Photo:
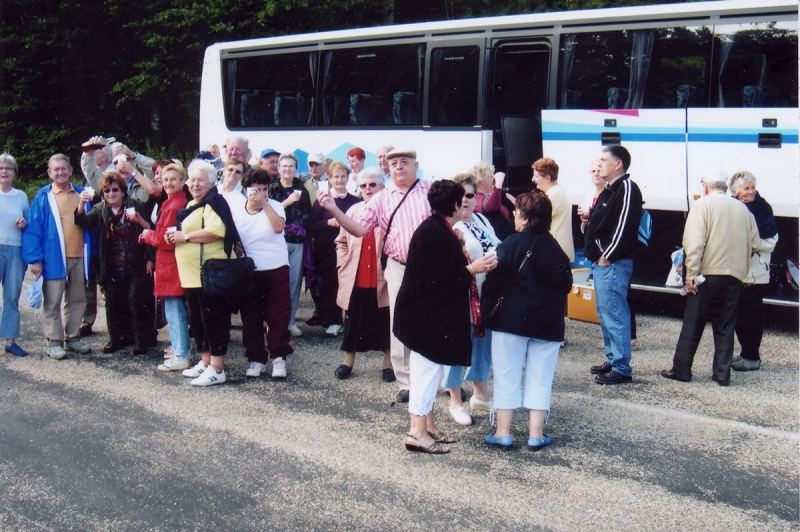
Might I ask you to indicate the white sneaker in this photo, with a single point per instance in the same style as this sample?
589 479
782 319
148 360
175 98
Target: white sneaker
173 364
196 371
255 369
294 330
477 404
209 377
279 368
461 416
56 352
76 346
333 330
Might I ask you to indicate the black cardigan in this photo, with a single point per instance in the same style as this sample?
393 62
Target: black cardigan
534 305
432 312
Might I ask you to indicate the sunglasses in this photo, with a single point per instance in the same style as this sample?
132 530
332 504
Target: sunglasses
362 186
469 195
110 190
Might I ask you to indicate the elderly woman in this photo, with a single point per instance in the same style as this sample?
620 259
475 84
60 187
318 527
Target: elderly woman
293 196
124 265
489 198
13 211
167 282
750 318
479 240
324 229
545 177
356 158
362 288
432 313
533 279
260 223
205 230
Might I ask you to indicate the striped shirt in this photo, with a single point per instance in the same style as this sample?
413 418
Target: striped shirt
414 211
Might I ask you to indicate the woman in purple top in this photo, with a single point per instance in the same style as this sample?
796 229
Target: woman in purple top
324 229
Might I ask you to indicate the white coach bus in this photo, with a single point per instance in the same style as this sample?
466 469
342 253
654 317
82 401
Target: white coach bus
691 89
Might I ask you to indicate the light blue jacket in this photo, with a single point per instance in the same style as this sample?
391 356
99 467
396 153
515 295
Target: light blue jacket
43 239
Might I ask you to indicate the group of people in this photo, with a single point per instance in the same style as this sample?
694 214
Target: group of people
439 276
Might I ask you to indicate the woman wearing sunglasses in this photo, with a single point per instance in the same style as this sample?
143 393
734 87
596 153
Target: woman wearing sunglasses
324 229
125 265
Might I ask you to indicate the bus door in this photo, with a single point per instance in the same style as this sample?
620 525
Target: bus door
518 93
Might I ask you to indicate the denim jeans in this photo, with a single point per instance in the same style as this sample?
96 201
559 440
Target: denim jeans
12 270
611 292
481 363
295 275
178 321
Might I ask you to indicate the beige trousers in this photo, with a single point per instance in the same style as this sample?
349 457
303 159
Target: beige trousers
73 291
400 353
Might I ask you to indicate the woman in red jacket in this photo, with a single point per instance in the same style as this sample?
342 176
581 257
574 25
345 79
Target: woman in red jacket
167 283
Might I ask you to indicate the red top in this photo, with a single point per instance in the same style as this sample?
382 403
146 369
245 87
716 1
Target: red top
367 276
167 282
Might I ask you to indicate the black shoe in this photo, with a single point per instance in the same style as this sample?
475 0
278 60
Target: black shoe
669 374
600 370
612 378
314 320
402 396
387 375
113 346
141 349
342 372
86 330
720 381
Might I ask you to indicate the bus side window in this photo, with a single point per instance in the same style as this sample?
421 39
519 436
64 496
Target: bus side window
453 93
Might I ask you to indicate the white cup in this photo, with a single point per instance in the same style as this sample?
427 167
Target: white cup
130 212
171 230
90 190
324 186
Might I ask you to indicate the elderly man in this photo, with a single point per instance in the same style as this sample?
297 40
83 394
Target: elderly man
611 238
54 246
317 164
383 164
238 147
405 218
718 238
268 160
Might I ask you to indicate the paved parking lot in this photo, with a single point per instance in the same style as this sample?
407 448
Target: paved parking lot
105 442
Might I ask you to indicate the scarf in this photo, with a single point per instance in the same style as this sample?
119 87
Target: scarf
474 298
218 204
762 212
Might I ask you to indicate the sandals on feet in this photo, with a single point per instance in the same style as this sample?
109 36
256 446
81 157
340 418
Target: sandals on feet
422 447
441 437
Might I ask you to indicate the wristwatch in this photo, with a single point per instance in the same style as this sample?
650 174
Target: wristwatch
186 237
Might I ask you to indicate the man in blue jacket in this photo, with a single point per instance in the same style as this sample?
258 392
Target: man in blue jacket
611 237
55 247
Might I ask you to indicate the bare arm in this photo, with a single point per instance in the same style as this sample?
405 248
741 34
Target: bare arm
349 225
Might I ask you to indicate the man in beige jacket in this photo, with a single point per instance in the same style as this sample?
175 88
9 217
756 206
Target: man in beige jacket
718 239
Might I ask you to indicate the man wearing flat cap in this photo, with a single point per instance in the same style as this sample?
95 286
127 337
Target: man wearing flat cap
317 165
414 210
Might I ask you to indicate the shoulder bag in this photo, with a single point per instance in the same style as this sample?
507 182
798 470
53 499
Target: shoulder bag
499 303
384 256
226 277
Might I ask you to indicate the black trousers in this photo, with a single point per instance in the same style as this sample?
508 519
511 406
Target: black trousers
716 301
327 308
750 320
209 322
129 309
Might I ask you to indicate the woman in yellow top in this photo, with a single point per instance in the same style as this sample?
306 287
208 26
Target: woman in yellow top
206 224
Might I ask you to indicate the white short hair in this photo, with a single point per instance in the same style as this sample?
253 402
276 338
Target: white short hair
243 140
371 173
204 166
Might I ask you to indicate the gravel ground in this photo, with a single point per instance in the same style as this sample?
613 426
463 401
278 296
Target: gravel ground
105 442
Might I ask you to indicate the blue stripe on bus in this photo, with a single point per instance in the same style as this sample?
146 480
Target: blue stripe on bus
626 136
744 138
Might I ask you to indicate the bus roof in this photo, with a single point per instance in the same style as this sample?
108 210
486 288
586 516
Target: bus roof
709 12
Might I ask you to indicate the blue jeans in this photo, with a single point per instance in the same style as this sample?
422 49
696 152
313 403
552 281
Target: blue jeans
481 363
611 291
178 321
12 270
295 275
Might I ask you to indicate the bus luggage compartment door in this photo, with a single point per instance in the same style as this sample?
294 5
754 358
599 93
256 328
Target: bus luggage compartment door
655 138
760 140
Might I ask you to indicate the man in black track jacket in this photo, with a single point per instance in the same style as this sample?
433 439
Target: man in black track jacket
611 237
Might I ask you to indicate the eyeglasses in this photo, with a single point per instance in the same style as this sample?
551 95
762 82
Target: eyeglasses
469 195
110 190
362 186
236 172
7 168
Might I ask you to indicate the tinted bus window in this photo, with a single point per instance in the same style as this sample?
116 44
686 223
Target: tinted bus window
453 91
270 91
372 86
755 65
658 68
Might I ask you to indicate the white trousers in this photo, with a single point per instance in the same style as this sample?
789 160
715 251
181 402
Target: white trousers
425 378
400 353
509 353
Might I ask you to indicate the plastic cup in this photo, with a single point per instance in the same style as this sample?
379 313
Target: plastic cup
324 186
130 212
171 230
90 190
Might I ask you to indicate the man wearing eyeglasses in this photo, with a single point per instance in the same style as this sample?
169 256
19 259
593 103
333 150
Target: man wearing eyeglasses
316 169
403 167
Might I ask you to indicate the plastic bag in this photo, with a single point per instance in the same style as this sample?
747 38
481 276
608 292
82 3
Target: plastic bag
33 294
675 277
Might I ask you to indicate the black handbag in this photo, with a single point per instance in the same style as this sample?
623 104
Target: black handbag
222 278
489 321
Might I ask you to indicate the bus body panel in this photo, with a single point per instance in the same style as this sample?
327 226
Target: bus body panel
655 138
724 141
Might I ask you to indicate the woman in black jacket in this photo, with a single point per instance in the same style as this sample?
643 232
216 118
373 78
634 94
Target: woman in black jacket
528 327
432 313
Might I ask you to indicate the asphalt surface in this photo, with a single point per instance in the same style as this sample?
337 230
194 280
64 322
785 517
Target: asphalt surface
106 442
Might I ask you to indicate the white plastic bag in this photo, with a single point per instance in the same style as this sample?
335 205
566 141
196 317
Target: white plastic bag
675 277
33 294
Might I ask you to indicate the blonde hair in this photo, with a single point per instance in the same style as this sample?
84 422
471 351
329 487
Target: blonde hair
482 172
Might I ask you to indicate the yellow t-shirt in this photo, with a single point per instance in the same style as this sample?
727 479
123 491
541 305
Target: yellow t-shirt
188 253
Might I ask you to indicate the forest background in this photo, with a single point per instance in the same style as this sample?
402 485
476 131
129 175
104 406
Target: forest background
131 68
